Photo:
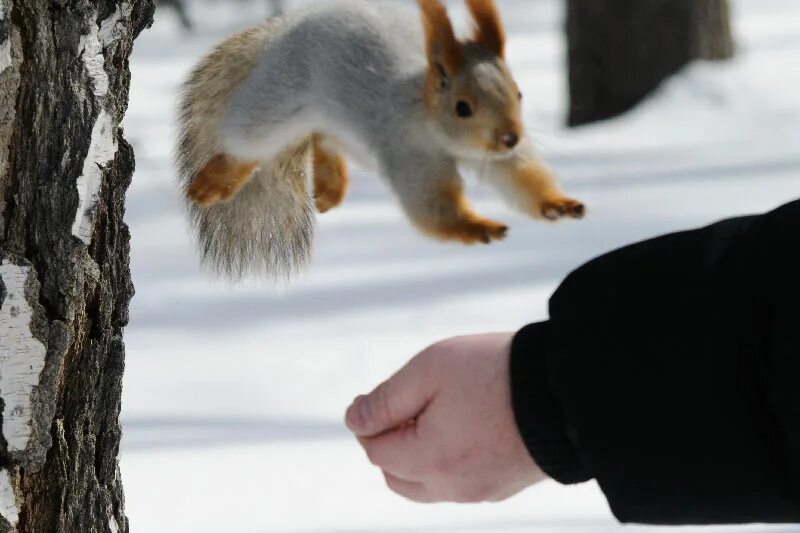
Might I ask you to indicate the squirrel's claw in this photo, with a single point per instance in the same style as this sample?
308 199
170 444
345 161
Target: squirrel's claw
473 231
563 207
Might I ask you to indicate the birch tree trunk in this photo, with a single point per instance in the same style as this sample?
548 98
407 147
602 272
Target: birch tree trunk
64 278
621 50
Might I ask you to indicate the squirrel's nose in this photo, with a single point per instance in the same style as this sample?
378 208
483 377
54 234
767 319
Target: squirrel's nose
510 140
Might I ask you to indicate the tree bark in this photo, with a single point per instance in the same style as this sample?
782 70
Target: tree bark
621 50
64 277
713 38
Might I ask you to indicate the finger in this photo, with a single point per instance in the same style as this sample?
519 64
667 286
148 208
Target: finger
395 401
410 490
397 452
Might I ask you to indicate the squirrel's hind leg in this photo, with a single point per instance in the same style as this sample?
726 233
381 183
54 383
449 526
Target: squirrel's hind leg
330 175
220 179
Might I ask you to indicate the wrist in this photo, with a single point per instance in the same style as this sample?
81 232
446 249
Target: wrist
537 412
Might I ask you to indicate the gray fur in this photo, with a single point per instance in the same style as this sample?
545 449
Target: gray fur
267 228
353 71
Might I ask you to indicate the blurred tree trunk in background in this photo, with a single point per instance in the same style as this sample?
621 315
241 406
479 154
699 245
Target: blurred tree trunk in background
621 50
277 7
713 34
180 10
64 277
274 8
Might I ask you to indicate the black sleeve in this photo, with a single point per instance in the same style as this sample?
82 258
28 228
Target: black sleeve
669 371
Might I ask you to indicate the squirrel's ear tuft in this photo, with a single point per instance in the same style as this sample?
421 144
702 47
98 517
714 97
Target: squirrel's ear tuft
489 32
442 47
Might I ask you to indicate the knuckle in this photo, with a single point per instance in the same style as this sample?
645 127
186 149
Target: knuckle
381 405
433 359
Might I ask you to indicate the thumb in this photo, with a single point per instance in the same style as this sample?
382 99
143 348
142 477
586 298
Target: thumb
393 403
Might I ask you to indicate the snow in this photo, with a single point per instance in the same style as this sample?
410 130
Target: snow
234 396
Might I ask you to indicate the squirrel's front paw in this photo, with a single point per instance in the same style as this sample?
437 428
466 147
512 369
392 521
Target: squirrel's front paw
560 207
475 230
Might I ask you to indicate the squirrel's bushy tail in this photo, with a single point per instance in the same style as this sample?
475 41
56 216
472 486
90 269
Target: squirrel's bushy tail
267 228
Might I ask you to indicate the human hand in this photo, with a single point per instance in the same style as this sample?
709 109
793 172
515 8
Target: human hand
442 428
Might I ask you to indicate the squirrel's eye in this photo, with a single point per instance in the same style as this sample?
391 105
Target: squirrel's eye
519 95
463 109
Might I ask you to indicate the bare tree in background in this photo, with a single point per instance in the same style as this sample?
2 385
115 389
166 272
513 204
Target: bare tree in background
713 34
64 277
621 50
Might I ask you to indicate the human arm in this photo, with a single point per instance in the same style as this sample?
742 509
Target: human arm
668 371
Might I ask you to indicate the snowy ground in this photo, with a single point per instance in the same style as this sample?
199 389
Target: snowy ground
234 396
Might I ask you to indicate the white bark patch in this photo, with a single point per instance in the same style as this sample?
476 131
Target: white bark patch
21 357
113 526
5 46
103 145
91 47
101 153
8 501
110 28
5 55
91 51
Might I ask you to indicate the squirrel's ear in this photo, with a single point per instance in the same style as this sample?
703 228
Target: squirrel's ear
441 45
489 32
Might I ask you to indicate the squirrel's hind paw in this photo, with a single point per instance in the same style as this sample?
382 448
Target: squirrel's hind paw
207 194
219 180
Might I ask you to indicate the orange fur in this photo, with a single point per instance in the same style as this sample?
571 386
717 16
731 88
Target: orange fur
219 180
489 31
431 89
543 199
458 222
440 39
330 177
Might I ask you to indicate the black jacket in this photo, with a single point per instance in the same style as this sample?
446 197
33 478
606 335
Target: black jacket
670 372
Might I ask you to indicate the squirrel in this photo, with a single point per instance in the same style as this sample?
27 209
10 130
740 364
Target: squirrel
369 78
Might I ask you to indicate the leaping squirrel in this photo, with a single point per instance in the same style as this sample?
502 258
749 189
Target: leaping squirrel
370 78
